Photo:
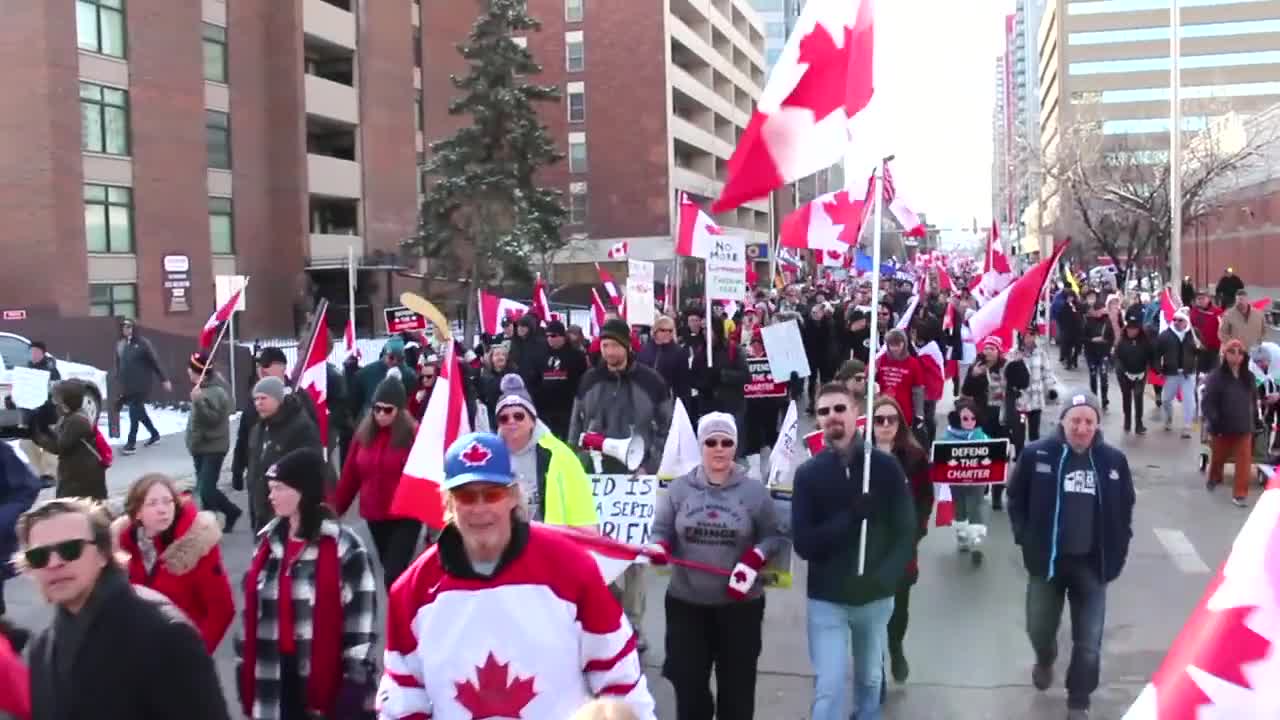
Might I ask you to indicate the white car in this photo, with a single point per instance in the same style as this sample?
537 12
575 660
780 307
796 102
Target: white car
15 351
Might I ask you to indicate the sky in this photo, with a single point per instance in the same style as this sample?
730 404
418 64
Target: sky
934 94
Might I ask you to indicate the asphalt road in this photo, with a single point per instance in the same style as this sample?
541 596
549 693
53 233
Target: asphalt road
969 656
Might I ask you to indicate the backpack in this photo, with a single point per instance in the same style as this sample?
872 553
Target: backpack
100 448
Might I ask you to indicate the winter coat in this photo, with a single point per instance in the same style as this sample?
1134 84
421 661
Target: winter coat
271 439
50 365
633 401
372 470
18 490
1207 322
138 657
15 684
671 362
1250 329
729 378
1174 356
489 390
1041 382
209 423
987 390
818 345
1099 335
137 367
561 375
1035 504
528 354
1134 356
72 439
187 568
1229 402
249 420
1070 322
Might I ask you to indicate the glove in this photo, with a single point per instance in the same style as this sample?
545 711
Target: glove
351 702
861 505
744 574
659 553
237 481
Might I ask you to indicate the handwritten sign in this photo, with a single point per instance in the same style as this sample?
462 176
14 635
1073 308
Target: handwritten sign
971 462
785 348
640 292
30 387
726 269
625 505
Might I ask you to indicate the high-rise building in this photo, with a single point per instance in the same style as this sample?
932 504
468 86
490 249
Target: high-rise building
1024 132
999 143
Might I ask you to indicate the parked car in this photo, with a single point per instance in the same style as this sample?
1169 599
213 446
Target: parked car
15 351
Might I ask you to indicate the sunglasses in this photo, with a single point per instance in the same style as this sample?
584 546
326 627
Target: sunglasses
474 496
722 442
384 409
515 417
68 550
839 409
886 420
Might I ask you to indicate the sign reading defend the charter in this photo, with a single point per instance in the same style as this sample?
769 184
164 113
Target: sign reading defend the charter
969 462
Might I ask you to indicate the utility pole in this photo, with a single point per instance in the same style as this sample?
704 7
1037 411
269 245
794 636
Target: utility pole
1175 146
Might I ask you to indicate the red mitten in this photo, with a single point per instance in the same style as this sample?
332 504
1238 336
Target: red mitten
659 553
591 441
744 574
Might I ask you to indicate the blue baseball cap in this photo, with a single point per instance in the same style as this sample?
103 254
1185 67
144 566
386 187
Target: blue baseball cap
477 457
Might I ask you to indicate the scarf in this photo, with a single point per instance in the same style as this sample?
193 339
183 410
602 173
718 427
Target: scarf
148 551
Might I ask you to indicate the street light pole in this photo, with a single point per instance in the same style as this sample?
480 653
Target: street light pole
1175 146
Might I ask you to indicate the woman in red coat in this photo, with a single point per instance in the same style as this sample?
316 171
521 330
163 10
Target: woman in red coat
379 451
173 549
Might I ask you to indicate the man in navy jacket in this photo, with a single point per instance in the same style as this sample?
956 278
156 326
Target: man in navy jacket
1071 504
18 490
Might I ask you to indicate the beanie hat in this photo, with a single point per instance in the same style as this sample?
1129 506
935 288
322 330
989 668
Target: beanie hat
993 341
555 327
514 393
394 346
269 356
618 331
303 470
391 392
273 387
1081 397
717 423
199 361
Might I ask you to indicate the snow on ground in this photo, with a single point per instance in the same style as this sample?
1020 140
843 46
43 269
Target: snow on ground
168 421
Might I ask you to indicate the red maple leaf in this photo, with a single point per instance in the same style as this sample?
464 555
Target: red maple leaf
713 229
824 85
1217 642
835 254
847 212
739 577
476 454
495 694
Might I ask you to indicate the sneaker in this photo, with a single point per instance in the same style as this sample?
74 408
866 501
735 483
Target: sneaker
128 450
1077 714
1042 676
1186 435
1240 502
1168 426
898 666
151 441
976 557
231 520
1210 485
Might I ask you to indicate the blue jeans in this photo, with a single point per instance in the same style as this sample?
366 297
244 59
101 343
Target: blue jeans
1076 580
838 635
208 469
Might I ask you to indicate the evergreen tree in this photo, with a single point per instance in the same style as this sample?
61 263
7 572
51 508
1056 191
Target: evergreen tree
484 214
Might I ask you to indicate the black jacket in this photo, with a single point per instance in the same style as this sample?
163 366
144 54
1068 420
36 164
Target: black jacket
1230 403
137 367
1134 356
561 374
1176 357
272 438
1099 336
48 364
138 658
249 418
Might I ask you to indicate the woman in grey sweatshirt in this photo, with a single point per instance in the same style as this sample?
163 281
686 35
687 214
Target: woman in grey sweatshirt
715 515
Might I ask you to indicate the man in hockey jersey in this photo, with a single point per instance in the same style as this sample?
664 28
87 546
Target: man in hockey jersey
455 648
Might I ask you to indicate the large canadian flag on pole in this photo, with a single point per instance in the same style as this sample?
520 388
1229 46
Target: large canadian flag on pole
1225 662
697 230
541 307
314 380
610 286
996 273
419 494
801 123
219 316
493 308
1013 309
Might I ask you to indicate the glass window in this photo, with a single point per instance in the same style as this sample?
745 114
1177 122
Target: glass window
1204 30
1188 62
577 203
119 300
100 26
108 219
1110 6
104 119
577 105
775 29
215 53
577 153
573 10
1150 125
575 58
221 228
217 127
1196 92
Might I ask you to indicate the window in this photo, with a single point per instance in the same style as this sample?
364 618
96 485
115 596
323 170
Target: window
573 10
114 301
108 219
1188 62
1195 92
417 113
577 102
1151 125
1203 30
217 127
577 152
104 119
1110 6
577 203
574 54
215 53
221 230
100 26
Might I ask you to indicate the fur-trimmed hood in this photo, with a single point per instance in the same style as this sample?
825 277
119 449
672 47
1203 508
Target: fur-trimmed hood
196 533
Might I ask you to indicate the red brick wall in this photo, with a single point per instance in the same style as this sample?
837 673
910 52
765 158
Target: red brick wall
170 192
41 209
1243 234
268 136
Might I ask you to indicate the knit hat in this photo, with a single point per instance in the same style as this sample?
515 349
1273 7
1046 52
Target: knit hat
1078 397
391 392
271 386
394 346
717 423
269 356
618 331
303 470
993 341
199 361
513 393
555 327
1183 313
1260 354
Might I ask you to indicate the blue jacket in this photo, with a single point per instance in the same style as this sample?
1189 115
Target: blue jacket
18 489
1035 504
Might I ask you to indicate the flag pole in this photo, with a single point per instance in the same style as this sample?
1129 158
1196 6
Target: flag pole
351 293
213 351
871 356
231 356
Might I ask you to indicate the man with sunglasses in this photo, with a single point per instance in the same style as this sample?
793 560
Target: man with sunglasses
848 612
562 372
107 633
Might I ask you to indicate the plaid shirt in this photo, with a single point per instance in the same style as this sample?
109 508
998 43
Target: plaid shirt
359 609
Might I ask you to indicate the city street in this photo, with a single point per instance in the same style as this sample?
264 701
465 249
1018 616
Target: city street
969 656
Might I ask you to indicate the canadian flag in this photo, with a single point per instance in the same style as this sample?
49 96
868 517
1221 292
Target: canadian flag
349 348
618 251
1224 663
314 379
494 308
210 330
906 217
610 286
932 369
541 307
697 230
996 273
944 280
801 123
1167 310
945 514
611 556
597 313
418 495
1013 309
833 220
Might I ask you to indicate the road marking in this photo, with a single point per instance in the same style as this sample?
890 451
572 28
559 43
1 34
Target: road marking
1181 551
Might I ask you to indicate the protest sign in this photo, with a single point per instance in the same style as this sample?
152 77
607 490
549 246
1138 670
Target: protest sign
726 269
762 383
30 387
969 462
785 348
640 292
625 505
782 461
